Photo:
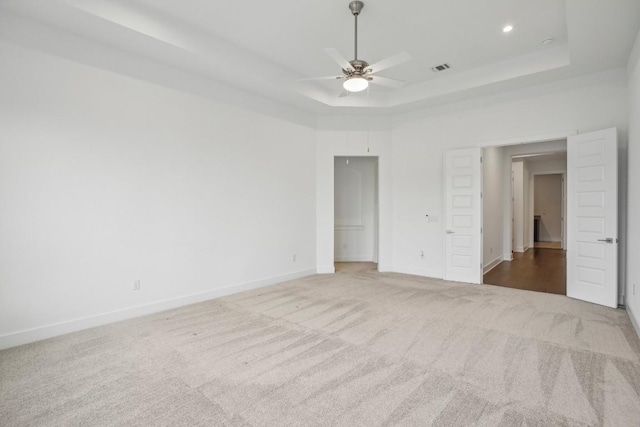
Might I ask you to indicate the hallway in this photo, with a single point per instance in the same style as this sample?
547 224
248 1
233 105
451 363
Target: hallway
541 270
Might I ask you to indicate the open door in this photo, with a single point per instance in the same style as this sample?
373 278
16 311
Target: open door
592 227
463 215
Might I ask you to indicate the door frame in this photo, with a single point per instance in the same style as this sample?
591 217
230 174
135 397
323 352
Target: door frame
546 137
376 207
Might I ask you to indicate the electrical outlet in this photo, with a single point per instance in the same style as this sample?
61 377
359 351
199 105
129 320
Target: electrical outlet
293 258
136 285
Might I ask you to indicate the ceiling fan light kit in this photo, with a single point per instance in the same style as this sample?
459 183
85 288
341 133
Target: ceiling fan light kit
356 84
358 73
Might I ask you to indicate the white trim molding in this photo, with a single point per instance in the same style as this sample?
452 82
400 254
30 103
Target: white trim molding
493 264
545 137
423 272
326 269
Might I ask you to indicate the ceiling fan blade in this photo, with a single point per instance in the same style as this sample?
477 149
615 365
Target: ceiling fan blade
337 56
320 78
384 81
391 61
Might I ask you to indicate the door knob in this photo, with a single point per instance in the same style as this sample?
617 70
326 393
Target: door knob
607 240
450 231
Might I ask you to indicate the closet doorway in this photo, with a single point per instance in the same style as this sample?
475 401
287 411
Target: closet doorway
355 213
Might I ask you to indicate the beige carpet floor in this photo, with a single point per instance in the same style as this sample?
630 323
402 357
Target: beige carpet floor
353 349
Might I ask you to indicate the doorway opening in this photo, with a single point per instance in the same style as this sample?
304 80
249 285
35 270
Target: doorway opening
355 213
479 226
524 216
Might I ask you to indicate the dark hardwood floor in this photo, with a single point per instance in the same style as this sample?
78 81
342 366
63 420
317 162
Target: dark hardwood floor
542 270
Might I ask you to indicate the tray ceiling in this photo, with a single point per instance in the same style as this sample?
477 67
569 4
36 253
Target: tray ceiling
264 47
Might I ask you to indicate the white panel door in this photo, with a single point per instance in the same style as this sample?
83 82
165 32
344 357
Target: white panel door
592 226
463 215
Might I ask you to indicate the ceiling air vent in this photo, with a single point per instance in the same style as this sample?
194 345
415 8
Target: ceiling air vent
439 68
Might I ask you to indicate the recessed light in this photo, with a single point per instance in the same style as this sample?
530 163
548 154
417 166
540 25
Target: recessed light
548 41
507 29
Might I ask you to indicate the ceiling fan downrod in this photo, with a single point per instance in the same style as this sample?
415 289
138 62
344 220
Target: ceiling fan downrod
356 7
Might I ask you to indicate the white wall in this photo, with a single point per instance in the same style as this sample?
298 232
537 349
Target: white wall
105 179
492 193
527 218
355 188
521 204
633 182
420 139
548 205
517 174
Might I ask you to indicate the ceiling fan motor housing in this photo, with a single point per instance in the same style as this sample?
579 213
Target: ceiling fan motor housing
360 68
356 7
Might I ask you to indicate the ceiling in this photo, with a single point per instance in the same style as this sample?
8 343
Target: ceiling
265 47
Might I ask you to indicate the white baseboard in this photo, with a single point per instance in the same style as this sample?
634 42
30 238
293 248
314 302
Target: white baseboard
48 331
634 320
519 249
424 272
487 268
507 256
354 258
328 269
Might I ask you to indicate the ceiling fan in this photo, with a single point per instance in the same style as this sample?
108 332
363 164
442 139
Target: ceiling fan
358 73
